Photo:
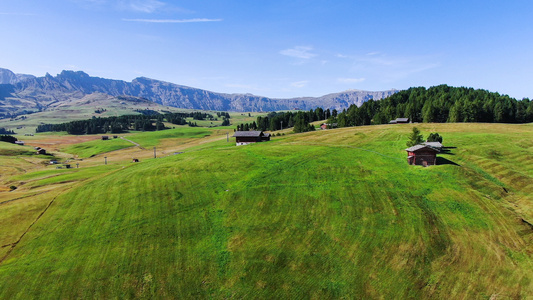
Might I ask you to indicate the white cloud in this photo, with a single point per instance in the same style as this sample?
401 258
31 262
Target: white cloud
302 52
391 68
145 6
300 84
139 6
350 80
172 20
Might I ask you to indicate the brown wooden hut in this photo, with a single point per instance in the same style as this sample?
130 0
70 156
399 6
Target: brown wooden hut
248 137
422 155
399 121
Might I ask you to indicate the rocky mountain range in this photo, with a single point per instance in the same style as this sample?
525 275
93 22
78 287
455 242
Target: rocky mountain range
26 92
8 77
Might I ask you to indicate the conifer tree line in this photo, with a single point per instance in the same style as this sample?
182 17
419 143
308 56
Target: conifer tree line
124 123
298 120
6 131
440 104
8 138
436 104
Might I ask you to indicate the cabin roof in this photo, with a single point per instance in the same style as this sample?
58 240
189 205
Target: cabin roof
248 134
437 145
399 120
419 147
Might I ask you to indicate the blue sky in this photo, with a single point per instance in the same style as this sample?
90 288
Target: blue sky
277 48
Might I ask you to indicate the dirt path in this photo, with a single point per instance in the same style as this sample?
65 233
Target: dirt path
14 244
136 144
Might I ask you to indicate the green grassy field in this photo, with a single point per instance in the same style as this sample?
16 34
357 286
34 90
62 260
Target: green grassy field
326 214
144 139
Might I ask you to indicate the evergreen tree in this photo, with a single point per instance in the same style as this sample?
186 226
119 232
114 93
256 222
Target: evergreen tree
415 138
434 137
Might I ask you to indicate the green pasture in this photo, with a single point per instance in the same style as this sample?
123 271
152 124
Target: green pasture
153 138
144 139
320 215
9 149
92 148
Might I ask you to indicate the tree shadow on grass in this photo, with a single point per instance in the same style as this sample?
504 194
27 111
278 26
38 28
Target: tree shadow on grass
444 161
447 150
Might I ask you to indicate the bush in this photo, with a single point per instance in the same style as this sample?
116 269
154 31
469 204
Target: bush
434 137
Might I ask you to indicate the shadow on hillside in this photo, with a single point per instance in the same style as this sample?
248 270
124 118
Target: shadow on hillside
444 161
447 150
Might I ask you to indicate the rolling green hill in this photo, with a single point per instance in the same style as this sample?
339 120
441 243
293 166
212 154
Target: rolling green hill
327 214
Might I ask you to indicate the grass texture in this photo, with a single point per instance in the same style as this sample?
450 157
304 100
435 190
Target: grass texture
320 215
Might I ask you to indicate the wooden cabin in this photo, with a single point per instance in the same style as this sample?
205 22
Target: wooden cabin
399 121
105 137
248 137
422 155
41 151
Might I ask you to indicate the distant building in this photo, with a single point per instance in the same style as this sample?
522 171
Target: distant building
41 151
326 125
248 137
19 143
422 155
399 121
105 138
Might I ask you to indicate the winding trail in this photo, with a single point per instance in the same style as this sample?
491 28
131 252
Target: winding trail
136 144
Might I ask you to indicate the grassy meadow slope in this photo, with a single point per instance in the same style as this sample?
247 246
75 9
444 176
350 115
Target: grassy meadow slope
107 106
325 214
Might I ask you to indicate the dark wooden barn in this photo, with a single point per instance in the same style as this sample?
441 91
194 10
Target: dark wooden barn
399 121
422 155
248 137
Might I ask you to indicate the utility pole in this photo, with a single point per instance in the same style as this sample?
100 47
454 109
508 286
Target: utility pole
227 137
154 153
105 160
77 165
281 125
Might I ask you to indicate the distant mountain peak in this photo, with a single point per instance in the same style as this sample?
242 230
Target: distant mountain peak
69 73
8 77
69 85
